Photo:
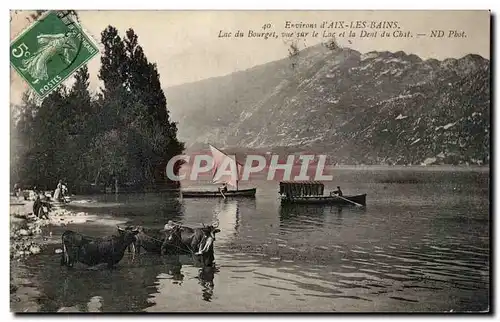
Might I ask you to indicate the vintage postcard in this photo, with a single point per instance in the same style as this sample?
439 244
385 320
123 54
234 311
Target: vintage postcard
250 161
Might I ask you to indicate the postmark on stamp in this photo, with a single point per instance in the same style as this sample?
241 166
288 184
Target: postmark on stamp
50 51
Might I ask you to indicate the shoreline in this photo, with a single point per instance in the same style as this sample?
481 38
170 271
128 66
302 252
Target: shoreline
28 239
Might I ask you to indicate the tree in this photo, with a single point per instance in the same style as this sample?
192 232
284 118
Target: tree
123 132
21 138
82 128
55 135
41 128
114 61
133 90
153 131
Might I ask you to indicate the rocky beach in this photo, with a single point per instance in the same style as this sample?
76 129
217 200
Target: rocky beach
29 236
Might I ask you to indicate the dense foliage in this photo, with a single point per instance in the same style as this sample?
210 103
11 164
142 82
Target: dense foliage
124 132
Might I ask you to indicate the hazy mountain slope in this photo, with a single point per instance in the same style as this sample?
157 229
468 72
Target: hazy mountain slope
379 107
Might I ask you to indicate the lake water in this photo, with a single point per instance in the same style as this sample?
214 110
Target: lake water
422 244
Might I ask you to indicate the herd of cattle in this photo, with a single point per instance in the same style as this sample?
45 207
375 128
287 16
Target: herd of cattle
172 239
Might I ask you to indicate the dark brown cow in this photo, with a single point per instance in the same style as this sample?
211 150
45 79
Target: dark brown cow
93 251
195 241
151 240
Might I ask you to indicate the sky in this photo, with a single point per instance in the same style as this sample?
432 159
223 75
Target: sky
186 47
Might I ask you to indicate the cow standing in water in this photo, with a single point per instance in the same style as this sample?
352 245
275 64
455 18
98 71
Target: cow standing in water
151 240
195 241
93 251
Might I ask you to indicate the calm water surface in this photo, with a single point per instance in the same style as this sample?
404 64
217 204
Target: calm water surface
419 246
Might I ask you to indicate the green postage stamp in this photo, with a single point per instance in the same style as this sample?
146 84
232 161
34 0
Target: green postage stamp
50 50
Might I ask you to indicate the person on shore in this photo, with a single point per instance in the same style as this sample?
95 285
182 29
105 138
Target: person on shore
38 207
64 192
17 190
58 192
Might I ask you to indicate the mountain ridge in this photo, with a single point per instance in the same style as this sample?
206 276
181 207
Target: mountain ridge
358 108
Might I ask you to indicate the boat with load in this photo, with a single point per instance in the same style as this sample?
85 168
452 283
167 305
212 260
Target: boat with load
312 192
221 161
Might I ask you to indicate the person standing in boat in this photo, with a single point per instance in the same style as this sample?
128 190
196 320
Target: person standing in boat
338 192
223 189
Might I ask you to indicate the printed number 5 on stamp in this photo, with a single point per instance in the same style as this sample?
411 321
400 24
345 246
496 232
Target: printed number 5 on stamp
49 51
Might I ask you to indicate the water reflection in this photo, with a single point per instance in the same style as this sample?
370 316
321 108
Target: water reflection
405 253
299 217
206 280
339 215
227 212
173 267
151 210
182 271
125 288
292 216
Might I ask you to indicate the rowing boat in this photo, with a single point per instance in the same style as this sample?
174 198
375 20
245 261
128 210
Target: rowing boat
325 200
246 193
311 192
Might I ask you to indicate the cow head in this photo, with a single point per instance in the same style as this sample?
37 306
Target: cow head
173 234
140 229
128 234
133 229
212 229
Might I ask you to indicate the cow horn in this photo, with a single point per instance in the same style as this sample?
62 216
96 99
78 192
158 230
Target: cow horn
215 224
119 228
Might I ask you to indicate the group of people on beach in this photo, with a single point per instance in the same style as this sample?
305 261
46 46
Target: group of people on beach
59 195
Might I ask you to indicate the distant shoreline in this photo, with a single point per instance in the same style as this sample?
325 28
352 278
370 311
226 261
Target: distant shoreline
442 167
